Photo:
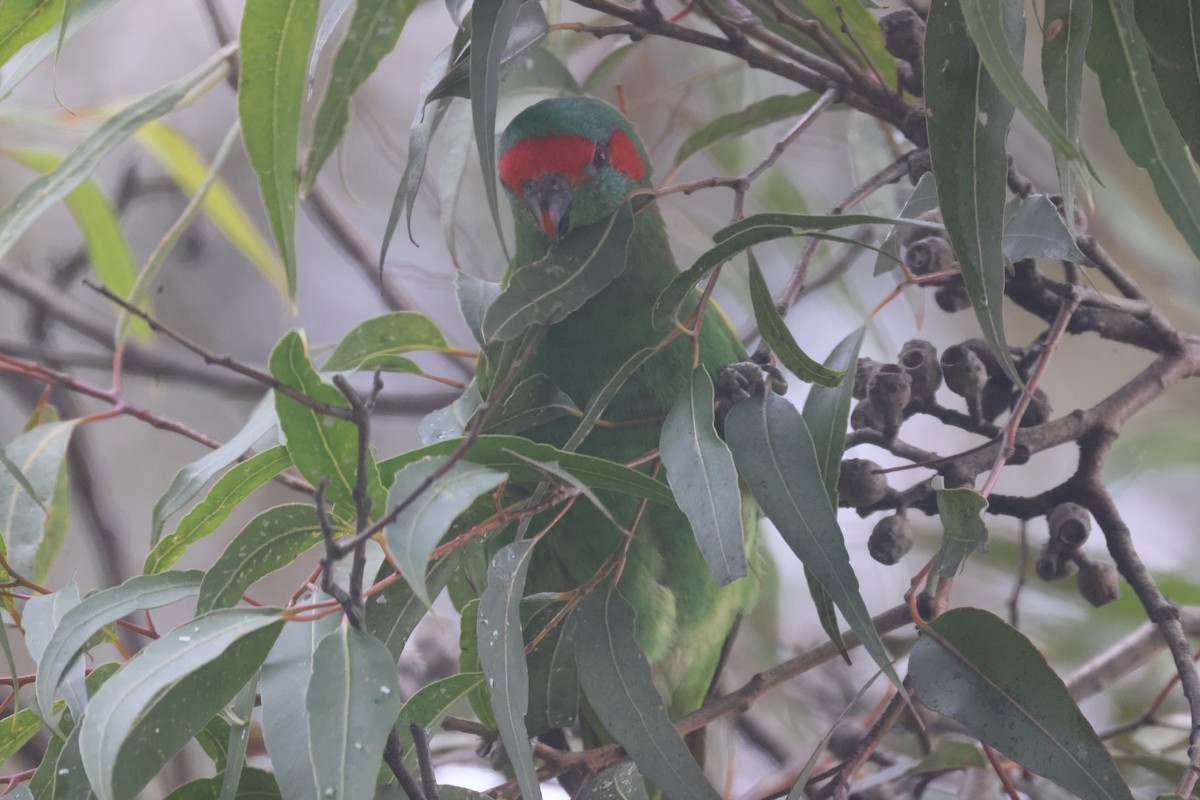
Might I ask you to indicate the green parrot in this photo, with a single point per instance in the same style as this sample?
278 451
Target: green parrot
566 164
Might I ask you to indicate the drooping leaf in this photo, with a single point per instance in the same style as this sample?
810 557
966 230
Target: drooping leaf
528 29
605 394
475 295
534 401
394 611
352 701
1033 228
374 31
776 457
430 704
963 530
1172 32
81 162
502 656
988 22
702 476
775 332
94 612
321 447
739 123
22 21
553 677
827 410
491 23
188 481
616 679
84 12
38 454
575 270
923 198
207 515
166 693
239 739
500 453
1062 75
1134 104
269 542
285 720
981 672
329 21
41 617
968 128
189 169
378 342
421 525
274 40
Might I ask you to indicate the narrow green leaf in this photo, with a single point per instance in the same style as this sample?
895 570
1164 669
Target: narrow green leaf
1033 228
394 611
491 23
166 693
430 704
190 171
374 31
285 720
988 22
421 525
333 15
858 31
475 295
103 237
775 333
500 453
963 530
534 401
22 21
797 792
275 39
616 680
978 670
528 29
553 677
65 776
479 697
502 656
17 729
621 781
207 515
575 270
777 459
239 738
188 481
827 411
371 344
352 701
38 454
85 11
1068 24
321 447
923 198
1134 103
1172 32
41 617
968 127
269 542
94 612
605 394
81 162
739 123
702 476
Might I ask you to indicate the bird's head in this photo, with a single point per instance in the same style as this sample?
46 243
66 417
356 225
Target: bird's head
569 162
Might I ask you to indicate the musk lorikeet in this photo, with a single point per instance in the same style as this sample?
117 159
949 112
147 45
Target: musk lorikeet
568 164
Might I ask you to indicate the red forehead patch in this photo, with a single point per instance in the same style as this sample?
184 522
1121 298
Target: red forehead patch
561 154
624 156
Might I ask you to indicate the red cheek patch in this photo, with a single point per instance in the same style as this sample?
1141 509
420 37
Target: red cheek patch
624 156
561 154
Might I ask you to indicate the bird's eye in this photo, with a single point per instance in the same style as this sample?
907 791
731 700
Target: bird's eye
600 157
528 186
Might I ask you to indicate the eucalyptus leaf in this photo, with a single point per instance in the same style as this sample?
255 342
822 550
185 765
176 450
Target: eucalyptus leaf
963 529
1062 75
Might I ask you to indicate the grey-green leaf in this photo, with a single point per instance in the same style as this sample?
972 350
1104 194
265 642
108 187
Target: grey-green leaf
421 525
352 700
775 332
534 401
275 39
616 680
575 270
924 198
1062 75
394 611
1172 32
38 455
502 656
775 456
701 474
528 29
1134 103
976 669
968 128
744 120
621 781
371 343
42 615
93 613
475 296
1033 228
164 695
963 529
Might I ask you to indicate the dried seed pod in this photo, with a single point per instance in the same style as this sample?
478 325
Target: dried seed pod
1053 564
963 370
919 359
863 370
1069 524
929 255
889 391
863 417
891 539
1098 583
903 34
952 298
860 483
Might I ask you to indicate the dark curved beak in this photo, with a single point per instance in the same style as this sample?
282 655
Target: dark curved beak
549 196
